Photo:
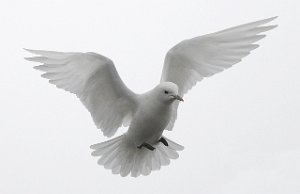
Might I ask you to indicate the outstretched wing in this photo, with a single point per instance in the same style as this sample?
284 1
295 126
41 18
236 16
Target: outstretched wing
191 60
95 81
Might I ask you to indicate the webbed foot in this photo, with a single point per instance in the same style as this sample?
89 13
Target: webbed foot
164 141
146 145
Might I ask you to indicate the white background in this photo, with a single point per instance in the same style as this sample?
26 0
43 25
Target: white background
240 128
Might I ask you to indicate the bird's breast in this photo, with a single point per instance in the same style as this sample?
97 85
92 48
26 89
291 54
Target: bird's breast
148 124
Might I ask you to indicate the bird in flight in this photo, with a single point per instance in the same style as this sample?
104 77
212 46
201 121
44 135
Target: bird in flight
93 78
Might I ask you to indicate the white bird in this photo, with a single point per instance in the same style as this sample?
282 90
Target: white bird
96 82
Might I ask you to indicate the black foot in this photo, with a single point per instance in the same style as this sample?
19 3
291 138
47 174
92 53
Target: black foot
146 145
164 141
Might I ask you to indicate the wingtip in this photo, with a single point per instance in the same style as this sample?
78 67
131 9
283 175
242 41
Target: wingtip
273 18
28 50
93 147
270 19
263 21
34 59
273 26
28 58
32 51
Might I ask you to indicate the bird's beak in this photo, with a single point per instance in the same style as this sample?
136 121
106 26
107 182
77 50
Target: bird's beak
177 97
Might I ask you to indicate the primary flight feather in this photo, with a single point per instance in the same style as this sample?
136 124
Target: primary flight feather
94 79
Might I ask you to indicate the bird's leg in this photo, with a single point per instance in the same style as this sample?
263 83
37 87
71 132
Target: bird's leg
146 145
164 141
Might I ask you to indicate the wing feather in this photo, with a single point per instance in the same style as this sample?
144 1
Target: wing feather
94 79
191 60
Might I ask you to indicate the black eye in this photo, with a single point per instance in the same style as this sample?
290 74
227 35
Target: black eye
166 92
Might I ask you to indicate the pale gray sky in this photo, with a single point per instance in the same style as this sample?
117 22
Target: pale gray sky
240 128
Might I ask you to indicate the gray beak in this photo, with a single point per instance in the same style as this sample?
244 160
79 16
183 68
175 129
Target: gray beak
177 97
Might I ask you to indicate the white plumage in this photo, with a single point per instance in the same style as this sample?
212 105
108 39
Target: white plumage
96 82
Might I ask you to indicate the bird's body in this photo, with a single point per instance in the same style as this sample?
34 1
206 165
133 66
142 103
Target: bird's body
94 79
150 119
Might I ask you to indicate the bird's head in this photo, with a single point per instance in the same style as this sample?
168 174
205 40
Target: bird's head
167 92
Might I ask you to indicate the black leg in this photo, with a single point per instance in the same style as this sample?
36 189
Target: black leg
164 141
146 145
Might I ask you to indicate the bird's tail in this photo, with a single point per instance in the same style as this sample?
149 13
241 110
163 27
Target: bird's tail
122 156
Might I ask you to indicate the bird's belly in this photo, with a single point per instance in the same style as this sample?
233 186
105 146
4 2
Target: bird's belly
148 129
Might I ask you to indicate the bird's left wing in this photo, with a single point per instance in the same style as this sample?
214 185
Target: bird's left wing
95 81
191 60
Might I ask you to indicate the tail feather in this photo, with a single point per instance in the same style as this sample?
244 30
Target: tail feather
124 158
104 144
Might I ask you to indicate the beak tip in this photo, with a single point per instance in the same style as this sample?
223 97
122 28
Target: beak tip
180 98
177 97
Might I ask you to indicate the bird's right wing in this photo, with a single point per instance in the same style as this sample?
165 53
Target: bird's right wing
95 81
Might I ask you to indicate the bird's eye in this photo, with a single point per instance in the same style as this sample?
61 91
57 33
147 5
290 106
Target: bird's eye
166 92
